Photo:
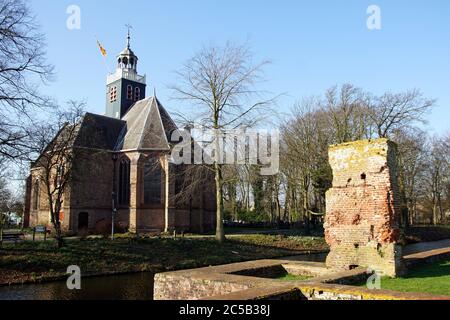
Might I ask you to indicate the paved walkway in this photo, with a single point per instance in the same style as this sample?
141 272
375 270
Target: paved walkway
425 246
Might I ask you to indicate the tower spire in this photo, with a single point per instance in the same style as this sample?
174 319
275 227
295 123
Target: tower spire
129 27
125 86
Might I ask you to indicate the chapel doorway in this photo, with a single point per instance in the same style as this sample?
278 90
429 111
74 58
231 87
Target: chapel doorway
83 221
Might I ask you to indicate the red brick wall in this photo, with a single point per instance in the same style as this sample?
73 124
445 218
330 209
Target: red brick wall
363 207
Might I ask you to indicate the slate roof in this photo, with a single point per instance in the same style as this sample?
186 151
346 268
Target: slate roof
99 132
148 127
145 127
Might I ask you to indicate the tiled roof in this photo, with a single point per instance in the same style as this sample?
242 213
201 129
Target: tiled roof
148 127
145 127
98 132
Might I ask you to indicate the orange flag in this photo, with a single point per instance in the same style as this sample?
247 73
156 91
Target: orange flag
102 50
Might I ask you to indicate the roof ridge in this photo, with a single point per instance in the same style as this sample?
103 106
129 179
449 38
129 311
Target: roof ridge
155 101
132 106
168 115
102 116
143 127
121 139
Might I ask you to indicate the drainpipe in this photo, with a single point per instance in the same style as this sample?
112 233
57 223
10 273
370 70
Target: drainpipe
166 196
114 195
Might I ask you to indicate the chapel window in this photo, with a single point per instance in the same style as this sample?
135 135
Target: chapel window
124 182
36 195
152 181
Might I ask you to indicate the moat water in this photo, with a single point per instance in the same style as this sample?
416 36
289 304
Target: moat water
136 286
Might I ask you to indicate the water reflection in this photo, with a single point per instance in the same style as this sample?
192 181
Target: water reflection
124 287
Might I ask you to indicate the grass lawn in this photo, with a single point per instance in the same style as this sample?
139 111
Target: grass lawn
28 261
291 277
433 278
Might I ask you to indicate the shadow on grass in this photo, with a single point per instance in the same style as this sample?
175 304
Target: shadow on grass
439 269
132 255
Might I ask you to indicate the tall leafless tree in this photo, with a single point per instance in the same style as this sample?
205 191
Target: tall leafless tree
22 69
412 163
348 113
5 196
220 82
52 141
438 176
347 109
392 111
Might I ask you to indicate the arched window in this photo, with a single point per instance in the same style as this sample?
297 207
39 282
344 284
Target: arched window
129 92
35 195
124 182
152 181
137 94
112 94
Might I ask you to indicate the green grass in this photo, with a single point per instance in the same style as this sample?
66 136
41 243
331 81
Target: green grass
433 278
296 243
291 277
30 261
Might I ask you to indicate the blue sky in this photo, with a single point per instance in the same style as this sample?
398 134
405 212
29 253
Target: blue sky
312 45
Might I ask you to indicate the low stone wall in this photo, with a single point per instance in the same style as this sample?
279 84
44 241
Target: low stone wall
168 287
240 281
270 272
323 292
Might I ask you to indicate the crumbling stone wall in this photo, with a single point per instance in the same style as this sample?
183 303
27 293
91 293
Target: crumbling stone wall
363 207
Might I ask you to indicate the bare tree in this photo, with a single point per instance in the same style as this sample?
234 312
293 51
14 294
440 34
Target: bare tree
306 143
53 141
348 113
221 82
393 111
5 196
438 173
412 163
22 69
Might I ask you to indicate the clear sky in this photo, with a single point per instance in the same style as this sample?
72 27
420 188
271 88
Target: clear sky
312 45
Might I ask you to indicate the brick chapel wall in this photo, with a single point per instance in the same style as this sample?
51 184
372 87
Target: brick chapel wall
197 215
183 220
363 207
91 187
151 219
41 214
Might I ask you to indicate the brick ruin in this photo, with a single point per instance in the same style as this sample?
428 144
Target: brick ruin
363 207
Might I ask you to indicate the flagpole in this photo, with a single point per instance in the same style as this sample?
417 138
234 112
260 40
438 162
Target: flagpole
105 57
105 62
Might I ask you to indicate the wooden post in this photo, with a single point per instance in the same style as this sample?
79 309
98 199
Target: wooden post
34 233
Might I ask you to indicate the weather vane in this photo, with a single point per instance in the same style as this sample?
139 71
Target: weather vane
129 27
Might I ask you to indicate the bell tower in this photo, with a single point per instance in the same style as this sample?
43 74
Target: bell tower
124 87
